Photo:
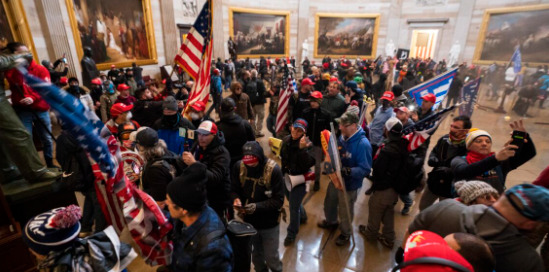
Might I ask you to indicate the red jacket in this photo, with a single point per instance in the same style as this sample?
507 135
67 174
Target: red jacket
15 80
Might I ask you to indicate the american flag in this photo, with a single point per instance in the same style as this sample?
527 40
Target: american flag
284 98
122 203
422 130
195 55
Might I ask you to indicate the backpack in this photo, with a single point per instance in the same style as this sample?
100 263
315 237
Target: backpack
410 175
264 180
171 162
77 171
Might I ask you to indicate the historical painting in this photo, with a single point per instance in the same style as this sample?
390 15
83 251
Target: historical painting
260 33
6 35
14 26
350 35
118 32
505 30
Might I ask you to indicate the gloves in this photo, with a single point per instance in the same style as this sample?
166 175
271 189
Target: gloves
346 171
250 208
399 255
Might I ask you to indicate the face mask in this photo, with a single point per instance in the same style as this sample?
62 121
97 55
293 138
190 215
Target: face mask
195 116
129 116
250 160
170 120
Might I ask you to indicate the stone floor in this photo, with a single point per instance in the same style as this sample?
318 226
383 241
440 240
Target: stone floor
315 249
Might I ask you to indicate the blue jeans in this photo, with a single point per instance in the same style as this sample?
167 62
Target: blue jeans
406 199
265 254
28 118
334 205
271 124
228 81
297 211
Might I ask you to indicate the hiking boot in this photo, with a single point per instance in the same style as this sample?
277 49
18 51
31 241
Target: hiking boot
325 225
288 241
362 230
386 243
342 240
407 209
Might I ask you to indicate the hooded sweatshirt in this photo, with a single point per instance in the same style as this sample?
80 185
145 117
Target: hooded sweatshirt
355 153
237 132
268 200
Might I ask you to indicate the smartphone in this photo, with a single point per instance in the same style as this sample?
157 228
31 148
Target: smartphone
518 138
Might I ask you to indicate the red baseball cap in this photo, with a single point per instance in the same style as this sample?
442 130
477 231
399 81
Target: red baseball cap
325 65
207 127
332 79
120 108
113 66
428 244
403 109
198 106
389 96
344 64
429 97
63 80
96 81
307 81
316 94
122 87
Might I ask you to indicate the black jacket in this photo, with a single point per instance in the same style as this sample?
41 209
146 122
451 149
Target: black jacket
237 132
389 162
164 122
318 120
255 89
157 174
216 158
295 161
440 178
299 103
268 200
146 112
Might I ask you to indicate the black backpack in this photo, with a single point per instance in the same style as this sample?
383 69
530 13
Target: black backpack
410 174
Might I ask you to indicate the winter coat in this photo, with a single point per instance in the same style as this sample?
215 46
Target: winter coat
237 132
195 249
146 112
126 100
440 178
318 120
390 160
355 153
107 100
268 200
255 89
335 105
295 161
299 102
157 174
378 124
19 90
243 106
216 157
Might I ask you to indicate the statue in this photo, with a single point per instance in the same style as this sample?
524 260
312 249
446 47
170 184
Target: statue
304 50
390 49
89 69
454 54
232 48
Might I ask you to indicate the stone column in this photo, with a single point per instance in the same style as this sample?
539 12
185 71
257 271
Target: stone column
170 30
217 29
463 22
303 18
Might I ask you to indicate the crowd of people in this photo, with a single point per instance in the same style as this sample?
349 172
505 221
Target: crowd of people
205 171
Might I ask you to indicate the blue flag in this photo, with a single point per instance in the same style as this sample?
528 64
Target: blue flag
469 94
517 59
438 86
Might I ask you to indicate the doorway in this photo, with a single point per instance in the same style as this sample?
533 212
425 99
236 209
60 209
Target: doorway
423 43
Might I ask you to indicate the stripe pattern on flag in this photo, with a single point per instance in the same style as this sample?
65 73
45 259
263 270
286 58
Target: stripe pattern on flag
422 130
284 98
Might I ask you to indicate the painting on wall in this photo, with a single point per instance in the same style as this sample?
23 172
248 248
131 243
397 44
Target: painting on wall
14 26
260 32
504 30
350 35
118 32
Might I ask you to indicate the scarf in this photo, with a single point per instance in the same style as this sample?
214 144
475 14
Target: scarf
473 156
456 141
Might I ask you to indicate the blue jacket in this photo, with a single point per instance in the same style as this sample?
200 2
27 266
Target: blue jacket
216 85
356 153
193 250
376 126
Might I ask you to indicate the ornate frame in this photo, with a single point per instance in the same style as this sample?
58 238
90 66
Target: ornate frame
484 26
147 13
19 25
351 15
268 12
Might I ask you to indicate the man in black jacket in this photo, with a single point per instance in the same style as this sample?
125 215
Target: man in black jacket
300 101
255 89
237 131
215 156
257 193
318 119
449 146
146 111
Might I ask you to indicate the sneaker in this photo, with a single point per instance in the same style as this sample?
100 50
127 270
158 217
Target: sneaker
342 240
407 209
325 225
288 241
386 243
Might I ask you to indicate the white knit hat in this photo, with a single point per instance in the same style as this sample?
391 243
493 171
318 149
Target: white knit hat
353 109
473 134
470 190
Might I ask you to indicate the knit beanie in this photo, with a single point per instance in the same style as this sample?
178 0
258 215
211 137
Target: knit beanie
54 230
170 104
468 191
188 191
473 134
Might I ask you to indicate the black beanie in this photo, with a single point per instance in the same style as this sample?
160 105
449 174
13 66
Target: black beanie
188 191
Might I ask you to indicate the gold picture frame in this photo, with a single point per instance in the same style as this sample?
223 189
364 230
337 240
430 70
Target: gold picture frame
505 35
265 47
333 47
150 53
18 24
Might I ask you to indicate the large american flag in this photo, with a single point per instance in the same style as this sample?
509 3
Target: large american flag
283 101
422 130
122 203
195 55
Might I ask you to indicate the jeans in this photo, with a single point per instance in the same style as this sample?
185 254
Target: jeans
406 199
317 153
381 210
271 124
297 211
265 254
28 118
92 213
228 81
334 205
428 198
257 119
